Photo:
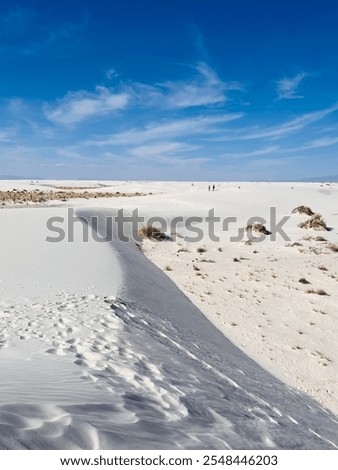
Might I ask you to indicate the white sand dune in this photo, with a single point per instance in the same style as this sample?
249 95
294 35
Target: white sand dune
100 349
258 301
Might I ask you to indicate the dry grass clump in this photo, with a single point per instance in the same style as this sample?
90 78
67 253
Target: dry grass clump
316 222
71 188
316 291
303 210
183 250
201 250
257 227
322 268
302 280
321 239
168 268
149 231
37 196
333 247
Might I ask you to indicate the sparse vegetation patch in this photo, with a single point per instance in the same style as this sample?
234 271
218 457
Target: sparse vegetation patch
302 210
152 232
316 222
257 227
333 247
317 291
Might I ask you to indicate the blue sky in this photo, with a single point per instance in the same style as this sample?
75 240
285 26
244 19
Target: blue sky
183 90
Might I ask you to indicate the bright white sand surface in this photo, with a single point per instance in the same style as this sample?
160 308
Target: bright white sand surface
101 350
259 302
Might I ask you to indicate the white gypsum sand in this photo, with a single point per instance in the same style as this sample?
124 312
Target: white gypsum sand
255 294
101 350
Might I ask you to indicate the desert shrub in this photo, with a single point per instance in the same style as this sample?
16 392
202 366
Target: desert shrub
183 250
302 210
257 227
302 280
316 291
322 268
201 250
333 247
316 222
149 231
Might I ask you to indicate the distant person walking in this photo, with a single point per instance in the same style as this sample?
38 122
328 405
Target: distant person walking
209 187
213 187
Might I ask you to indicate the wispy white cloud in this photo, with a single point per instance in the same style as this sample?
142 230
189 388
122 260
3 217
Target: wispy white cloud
172 129
287 87
179 161
253 153
275 132
278 150
203 88
199 42
273 150
162 153
16 105
72 154
162 148
314 144
42 131
111 73
78 106
7 135
323 142
21 154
